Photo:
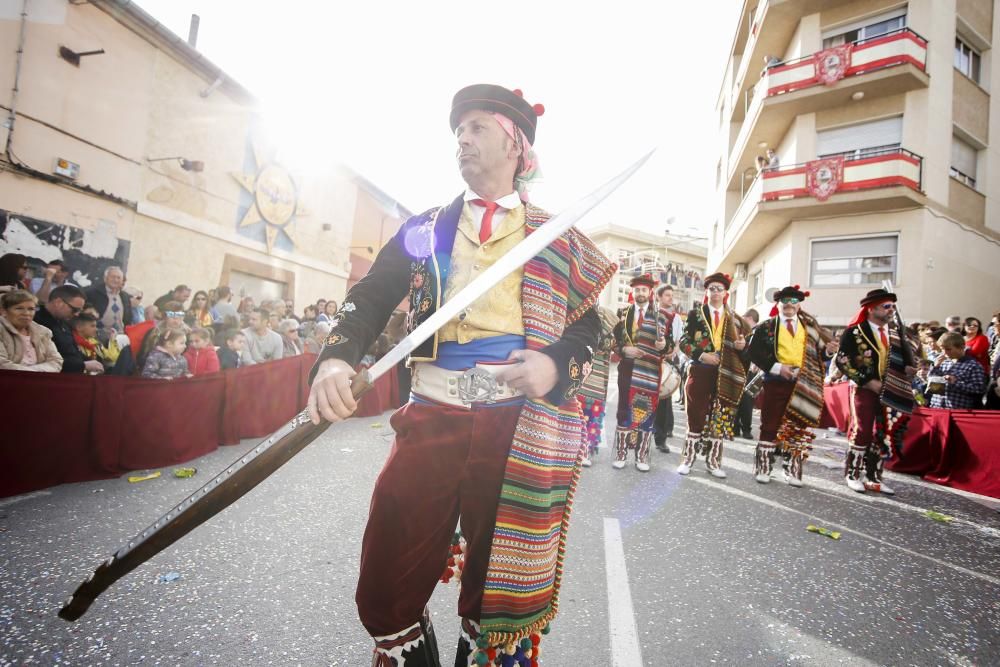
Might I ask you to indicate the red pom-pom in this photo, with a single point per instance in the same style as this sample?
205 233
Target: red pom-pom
728 277
539 109
536 639
491 653
518 92
774 310
796 286
807 293
456 548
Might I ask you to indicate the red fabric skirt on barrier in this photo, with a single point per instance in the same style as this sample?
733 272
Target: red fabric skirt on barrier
77 428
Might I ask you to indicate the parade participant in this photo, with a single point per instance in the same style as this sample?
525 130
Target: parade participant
863 358
713 338
789 348
503 468
663 421
594 390
640 340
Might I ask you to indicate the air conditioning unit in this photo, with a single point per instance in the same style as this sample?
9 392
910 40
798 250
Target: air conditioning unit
741 271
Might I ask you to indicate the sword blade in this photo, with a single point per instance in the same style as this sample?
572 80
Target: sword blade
517 256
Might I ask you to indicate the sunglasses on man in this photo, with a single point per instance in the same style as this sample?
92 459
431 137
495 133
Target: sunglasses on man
791 300
174 313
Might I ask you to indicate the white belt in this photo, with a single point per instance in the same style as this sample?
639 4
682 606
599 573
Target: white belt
461 388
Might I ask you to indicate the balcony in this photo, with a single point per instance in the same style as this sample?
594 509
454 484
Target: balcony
878 67
882 180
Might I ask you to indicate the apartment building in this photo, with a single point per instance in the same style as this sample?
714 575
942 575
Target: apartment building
672 259
880 120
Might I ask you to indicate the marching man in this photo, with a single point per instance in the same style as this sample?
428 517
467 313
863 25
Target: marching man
790 349
865 347
641 340
594 390
713 338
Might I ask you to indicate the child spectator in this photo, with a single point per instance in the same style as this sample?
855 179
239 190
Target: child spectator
200 355
85 336
230 353
167 361
965 379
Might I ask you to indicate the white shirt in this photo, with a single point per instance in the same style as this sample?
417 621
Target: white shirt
507 202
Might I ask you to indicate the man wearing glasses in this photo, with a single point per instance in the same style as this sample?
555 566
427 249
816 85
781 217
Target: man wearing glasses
65 302
789 349
863 358
713 339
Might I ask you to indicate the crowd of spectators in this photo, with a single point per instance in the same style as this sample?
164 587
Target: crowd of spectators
48 324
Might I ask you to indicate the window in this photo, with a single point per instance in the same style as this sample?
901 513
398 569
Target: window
963 162
967 60
853 262
873 26
876 137
758 288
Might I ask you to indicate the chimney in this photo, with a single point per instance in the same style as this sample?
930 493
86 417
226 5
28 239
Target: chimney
193 31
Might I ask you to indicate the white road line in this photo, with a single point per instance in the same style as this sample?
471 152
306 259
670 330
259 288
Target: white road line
844 529
824 485
621 617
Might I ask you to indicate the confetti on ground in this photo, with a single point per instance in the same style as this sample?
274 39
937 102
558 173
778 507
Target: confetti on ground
346 449
375 425
832 534
185 472
143 478
169 576
937 516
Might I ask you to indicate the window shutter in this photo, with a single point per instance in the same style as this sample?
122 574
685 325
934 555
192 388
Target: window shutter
883 132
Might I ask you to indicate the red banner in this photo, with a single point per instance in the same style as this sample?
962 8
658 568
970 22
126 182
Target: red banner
824 176
832 64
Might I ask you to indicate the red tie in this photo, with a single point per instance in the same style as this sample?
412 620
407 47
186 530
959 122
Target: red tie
885 341
791 329
716 319
642 316
486 229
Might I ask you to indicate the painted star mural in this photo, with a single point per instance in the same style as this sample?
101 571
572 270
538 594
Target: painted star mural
275 199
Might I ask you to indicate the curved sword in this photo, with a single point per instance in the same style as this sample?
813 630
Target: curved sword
270 454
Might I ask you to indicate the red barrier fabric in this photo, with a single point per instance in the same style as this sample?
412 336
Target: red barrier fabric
837 406
261 398
75 428
970 452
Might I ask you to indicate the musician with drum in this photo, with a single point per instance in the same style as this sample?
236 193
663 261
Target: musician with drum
790 348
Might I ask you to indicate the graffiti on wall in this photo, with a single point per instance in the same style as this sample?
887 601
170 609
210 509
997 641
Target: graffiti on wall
87 253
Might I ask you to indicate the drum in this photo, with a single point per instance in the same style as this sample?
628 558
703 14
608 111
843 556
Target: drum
754 385
670 379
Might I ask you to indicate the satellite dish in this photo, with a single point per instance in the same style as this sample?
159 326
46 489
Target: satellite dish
769 294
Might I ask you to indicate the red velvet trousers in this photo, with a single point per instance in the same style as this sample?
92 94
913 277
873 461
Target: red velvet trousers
699 392
775 402
446 466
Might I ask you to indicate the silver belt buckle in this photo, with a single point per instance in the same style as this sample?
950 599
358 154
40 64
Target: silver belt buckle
478 386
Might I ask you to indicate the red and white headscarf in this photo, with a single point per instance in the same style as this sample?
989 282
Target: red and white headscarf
528 168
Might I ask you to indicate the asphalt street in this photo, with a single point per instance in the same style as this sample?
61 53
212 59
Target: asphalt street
705 572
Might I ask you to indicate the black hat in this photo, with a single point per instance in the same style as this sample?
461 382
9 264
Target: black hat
645 279
792 292
722 278
498 99
878 296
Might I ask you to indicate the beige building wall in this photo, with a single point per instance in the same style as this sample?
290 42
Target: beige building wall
149 96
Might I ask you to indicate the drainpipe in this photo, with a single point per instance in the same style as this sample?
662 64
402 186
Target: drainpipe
17 81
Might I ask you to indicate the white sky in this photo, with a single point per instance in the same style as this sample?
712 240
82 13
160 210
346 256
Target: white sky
369 83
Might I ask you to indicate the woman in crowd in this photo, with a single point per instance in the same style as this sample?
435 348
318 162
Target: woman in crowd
24 345
977 343
166 361
329 310
246 307
314 342
13 271
199 316
289 331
